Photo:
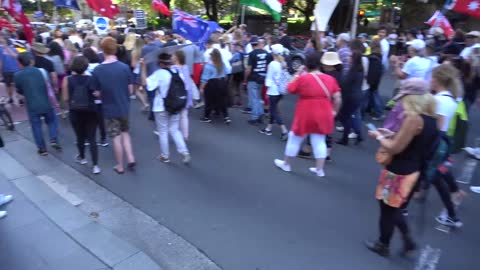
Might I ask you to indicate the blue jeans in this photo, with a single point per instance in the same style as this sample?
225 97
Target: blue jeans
374 102
275 117
36 124
255 99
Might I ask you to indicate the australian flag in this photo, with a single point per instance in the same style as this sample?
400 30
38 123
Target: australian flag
71 4
193 28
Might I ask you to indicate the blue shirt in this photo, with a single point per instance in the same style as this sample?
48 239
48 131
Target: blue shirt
210 72
9 62
112 80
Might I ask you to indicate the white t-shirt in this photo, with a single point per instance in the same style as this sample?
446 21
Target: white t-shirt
76 39
446 107
365 64
417 67
160 80
274 71
226 56
433 64
248 48
392 39
385 51
468 50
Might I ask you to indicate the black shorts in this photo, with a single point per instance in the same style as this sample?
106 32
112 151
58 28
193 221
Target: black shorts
8 78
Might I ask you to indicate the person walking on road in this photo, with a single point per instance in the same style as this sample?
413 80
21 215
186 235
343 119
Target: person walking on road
258 61
112 82
83 115
403 155
179 59
31 84
8 67
319 100
274 72
160 83
214 87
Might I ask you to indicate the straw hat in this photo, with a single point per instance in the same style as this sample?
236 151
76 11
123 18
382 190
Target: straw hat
330 59
40 48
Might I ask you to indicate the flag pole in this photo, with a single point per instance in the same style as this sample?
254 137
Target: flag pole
353 28
242 18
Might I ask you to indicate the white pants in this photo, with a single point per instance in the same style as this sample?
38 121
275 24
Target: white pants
184 123
295 142
167 123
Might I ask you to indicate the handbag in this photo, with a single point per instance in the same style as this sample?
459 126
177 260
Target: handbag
394 189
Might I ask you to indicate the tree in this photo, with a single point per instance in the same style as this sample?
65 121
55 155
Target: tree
305 7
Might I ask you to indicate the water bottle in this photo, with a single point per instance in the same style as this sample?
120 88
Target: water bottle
467 171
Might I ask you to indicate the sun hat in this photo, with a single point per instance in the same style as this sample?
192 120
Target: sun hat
40 48
413 86
277 49
330 59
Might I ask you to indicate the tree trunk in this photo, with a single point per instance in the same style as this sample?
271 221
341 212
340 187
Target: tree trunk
415 14
214 15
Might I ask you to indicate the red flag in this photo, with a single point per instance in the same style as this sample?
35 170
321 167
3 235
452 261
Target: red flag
159 6
104 7
6 24
439 20
469 7
14 8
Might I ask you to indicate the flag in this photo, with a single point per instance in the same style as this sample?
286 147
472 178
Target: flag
104 7
469 7
14 9
6 24
274 7
159 6
192 28
71 4
439 20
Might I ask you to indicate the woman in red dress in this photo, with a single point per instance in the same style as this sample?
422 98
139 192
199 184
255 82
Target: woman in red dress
318 103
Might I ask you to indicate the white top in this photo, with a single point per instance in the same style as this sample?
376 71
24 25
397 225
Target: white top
226 56
392 38
446 107
417 67
433 64
274 71
468 50
248 48
365 64
160 80
76 39
385 51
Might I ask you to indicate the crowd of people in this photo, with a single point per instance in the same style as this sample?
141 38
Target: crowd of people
92 80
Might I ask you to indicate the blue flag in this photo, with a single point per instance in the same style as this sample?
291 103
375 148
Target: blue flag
71 4
193 28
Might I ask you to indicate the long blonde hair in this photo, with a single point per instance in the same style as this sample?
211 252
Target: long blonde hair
419 104
449 77
137 49
129 42
216 59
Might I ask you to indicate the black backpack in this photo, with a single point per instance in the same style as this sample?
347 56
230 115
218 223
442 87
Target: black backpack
81 97
375 70
176 99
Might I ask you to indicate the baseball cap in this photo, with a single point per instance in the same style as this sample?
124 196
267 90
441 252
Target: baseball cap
417 44
277 48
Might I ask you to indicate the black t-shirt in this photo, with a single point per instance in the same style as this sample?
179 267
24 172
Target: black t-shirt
42 62
259 59
286 41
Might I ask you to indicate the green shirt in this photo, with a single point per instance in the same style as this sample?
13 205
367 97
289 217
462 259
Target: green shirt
31 84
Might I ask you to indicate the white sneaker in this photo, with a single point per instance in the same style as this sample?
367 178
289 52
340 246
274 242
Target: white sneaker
319 173
186 158
3 214
96 170
475 189
352 135
156 132
78 159
447 221
340 128
281 164
4 199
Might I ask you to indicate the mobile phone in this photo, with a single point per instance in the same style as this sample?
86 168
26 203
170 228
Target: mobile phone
371 127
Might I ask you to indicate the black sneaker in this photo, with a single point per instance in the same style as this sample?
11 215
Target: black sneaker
206 120
103 143
56 146
227 120
10 101
21 102
329 159
247 111
377 247
266 132
253 122
448 221
42 152
284 136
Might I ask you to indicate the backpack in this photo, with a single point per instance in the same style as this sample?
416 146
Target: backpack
375 70
80 96
435 158
283 81
176 99
459 127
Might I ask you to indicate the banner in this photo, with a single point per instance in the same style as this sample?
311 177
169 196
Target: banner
14 9
322 12
71 4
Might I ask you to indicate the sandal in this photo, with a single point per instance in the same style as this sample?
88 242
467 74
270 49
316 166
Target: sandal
131 166
118 171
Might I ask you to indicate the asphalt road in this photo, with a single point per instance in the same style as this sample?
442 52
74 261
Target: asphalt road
235 206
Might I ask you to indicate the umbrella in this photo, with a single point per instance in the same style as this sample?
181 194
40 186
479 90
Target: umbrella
153 56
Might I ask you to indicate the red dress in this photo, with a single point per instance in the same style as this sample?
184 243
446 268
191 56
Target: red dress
314 110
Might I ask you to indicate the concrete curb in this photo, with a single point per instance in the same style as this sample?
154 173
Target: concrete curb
114 231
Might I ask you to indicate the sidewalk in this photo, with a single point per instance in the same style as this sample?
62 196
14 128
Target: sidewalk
61 219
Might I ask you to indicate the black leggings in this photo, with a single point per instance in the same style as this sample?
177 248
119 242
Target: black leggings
101 122
216 97
85 126
391 217
444 187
